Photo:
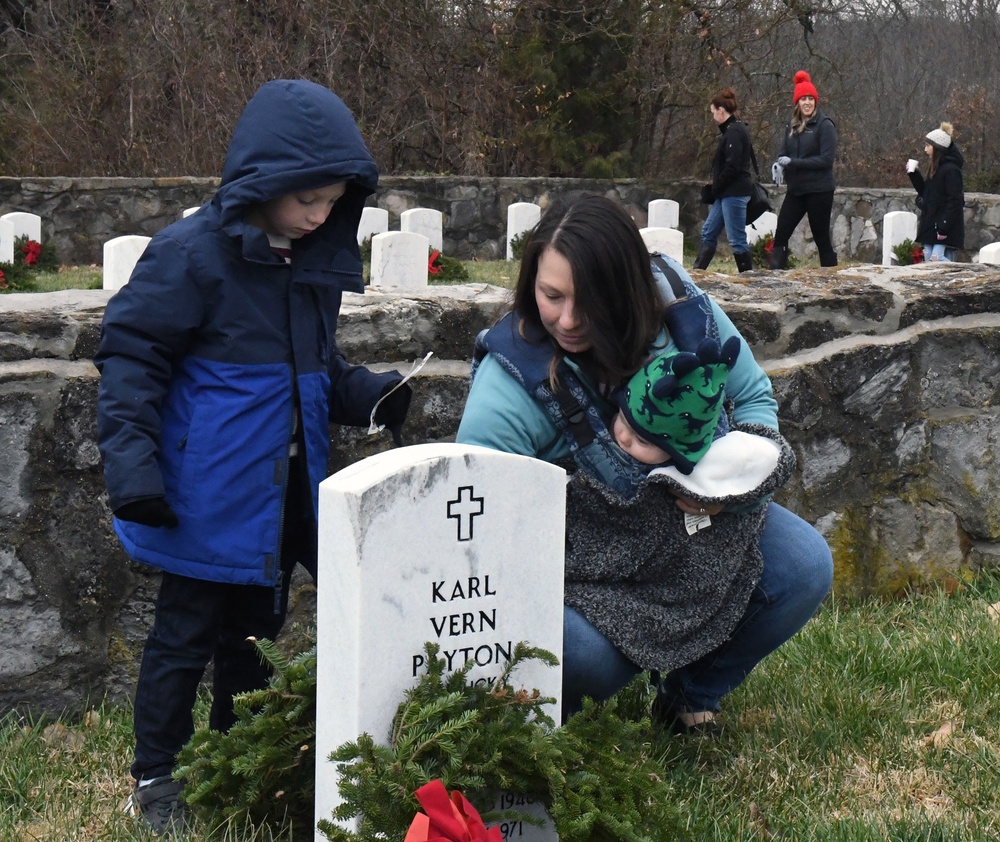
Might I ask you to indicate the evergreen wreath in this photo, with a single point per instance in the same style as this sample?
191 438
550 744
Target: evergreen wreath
597 775
30 256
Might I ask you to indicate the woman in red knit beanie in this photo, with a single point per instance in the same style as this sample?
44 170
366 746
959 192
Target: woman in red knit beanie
805 165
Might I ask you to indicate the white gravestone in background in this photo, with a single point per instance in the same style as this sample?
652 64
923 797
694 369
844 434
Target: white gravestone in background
663 213
14 225
990 254
399 259
521 217
373 221
763 225
120 256
188 211
668 241
426 221
450 543
896 227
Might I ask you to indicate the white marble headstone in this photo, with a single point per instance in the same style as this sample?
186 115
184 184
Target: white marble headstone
763 225
521 217
120 256
668 241
896 227
188 211
373 221
14 225
426 221
450 543
399 259
663 213
990 254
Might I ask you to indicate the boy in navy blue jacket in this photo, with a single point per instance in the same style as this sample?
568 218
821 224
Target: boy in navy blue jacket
220 375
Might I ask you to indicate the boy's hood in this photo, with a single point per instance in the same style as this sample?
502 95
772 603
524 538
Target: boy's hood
293 135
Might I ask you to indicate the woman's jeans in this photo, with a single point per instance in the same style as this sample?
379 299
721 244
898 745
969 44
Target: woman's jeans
938 251
818 207
797 574
729 213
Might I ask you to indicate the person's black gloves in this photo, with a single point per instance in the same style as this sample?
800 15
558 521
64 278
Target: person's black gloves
153 511
707 194
392 411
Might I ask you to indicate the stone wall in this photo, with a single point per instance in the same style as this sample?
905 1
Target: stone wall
886 378
80 214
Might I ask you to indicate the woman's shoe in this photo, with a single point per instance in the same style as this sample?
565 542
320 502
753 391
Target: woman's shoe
684 722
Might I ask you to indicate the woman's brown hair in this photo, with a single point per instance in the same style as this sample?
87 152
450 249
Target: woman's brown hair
614 289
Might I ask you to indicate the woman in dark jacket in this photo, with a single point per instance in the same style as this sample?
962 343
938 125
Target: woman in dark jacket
940 197
805 164
731 186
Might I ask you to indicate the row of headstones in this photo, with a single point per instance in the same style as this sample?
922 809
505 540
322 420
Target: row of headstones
400 258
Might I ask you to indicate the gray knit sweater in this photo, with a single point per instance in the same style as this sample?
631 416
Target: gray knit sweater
662 590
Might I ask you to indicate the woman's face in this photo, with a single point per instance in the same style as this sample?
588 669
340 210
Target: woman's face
720 115
556 301
929 149
807 105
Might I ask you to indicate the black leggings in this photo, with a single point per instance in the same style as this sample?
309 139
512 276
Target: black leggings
818 206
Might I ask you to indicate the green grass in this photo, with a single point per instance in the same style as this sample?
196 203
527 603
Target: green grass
879 721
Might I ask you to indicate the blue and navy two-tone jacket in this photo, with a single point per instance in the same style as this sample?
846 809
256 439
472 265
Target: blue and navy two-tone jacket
215 340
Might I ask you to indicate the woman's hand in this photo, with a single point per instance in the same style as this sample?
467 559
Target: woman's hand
691 507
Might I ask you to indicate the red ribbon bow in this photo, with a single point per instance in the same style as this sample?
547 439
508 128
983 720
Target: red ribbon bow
433 268
448 819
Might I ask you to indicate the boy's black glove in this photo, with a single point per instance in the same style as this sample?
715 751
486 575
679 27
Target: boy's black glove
153 511
707 194
392 411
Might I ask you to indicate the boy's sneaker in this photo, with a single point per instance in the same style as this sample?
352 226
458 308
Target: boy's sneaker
158 803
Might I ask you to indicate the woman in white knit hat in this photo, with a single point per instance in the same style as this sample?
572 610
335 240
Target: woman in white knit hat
940 196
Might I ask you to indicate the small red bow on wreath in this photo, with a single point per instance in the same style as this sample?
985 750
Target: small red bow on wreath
448 819
32 250
433 267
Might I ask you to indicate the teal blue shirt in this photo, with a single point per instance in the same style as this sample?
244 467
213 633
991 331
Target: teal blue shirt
501 415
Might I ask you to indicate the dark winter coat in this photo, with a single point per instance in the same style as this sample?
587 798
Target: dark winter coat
215 339
731 162
812 152
663 596
941 200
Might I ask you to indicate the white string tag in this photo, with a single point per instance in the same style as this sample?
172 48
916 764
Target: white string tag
695 523
374 428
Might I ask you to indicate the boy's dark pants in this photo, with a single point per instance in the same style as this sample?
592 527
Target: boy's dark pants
197 621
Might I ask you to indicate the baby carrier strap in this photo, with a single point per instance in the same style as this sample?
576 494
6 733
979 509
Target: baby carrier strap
688 317
569 406
527 358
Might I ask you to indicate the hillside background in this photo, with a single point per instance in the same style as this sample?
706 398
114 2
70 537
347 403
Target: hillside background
569 88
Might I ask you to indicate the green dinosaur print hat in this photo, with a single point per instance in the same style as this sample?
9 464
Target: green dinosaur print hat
675 400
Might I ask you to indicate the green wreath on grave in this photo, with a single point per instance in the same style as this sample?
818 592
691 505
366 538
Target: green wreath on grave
596 775
30 257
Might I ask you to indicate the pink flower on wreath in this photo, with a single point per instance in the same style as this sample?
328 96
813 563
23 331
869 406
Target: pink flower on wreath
433 267
769 244
3 281
32 250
